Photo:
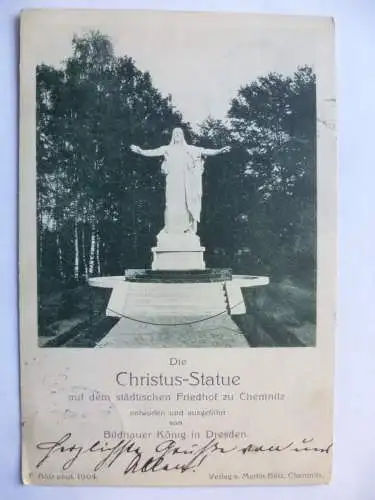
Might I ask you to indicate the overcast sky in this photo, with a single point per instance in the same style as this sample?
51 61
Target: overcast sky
201 59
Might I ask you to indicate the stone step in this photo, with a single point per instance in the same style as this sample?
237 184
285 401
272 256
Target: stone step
138 312
172 289
170 293
220 331
141 298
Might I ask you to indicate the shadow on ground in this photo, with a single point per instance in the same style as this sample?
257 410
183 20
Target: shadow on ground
279 315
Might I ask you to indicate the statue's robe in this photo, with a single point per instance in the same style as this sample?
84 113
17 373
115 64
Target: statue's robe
183 166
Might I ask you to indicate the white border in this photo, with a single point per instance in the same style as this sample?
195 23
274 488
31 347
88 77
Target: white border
353 475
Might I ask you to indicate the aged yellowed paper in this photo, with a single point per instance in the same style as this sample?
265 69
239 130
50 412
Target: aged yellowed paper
177 248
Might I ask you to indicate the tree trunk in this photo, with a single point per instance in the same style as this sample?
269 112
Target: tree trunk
59 256
41 254
76 252
98 253
92 249
84 260
135 229
40 232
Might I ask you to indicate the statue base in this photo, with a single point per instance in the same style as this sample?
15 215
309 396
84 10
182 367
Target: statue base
176 309
178 276
177 252
178 260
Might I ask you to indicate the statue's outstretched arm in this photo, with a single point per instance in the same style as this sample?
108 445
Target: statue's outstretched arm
148 152
214 152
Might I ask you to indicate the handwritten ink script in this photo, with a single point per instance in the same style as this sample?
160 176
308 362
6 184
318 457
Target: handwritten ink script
166 456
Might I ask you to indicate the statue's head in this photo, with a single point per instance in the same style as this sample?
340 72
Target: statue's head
178 136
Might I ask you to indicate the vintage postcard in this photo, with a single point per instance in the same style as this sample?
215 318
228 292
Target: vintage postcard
177 248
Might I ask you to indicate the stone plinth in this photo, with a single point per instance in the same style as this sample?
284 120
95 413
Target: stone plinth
176 308
178 252
137 298
178 276
162 299
177 259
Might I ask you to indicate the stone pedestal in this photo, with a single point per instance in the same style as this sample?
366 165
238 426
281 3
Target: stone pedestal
178 252
179 276
176 308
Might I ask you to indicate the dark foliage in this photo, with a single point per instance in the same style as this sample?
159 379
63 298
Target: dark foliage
100 206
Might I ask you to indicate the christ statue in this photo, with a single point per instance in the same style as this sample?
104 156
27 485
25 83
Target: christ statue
183 167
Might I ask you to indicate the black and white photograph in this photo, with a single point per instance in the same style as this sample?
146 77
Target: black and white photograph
177 241
176 193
